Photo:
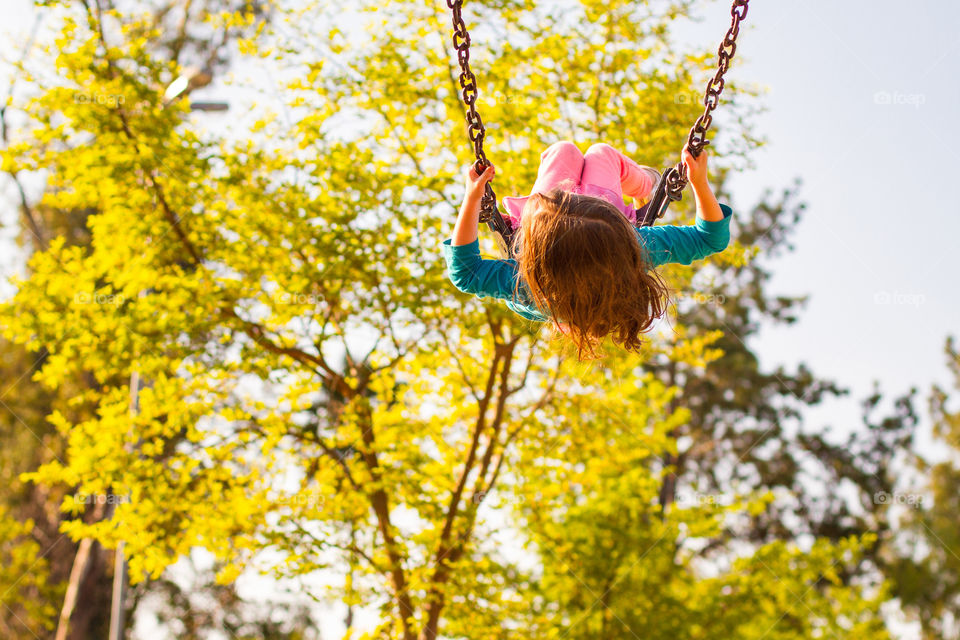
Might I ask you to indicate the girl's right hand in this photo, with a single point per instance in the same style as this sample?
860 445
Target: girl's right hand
696 167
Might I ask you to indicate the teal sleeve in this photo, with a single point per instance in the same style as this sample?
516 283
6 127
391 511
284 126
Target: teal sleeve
684 244
470 273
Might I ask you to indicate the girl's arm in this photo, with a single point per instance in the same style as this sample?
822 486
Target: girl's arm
707 206
465 230
466 268
708 235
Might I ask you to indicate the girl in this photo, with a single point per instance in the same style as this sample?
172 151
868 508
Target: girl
577 258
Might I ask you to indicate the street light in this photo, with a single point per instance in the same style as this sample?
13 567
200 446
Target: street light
192 78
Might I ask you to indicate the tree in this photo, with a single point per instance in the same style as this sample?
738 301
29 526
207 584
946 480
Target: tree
615 564
177 32
315 390
925 566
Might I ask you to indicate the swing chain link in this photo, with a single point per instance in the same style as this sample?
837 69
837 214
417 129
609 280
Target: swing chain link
677 176
475 129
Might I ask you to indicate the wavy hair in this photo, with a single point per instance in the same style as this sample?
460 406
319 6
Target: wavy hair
580 258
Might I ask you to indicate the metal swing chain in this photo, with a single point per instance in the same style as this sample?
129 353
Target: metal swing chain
475 129
677 176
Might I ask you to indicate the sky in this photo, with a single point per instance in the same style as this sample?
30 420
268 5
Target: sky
860 95
860 98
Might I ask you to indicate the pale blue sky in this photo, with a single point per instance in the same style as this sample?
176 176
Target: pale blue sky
882 221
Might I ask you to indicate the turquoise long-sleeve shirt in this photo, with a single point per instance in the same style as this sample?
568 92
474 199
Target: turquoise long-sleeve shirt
665 244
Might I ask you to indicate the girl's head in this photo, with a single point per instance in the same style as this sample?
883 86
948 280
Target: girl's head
580 258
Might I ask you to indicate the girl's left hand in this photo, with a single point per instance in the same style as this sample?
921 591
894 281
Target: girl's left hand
696 167
474 183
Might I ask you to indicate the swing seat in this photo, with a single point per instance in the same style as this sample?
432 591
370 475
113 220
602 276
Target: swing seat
503 231
660 199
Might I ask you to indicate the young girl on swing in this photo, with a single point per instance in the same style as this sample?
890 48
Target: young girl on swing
578 259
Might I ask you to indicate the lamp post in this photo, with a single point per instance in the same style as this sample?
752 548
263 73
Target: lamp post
191 78
118 598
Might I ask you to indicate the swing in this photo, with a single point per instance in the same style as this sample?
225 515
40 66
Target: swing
672 180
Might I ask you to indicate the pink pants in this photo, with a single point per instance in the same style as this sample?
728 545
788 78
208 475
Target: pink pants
602 172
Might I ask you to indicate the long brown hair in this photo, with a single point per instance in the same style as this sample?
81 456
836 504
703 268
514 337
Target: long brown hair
580 258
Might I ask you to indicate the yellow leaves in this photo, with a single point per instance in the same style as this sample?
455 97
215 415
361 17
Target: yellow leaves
760 504
737 255
14 158
693 350
59 422
228 574
26 588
